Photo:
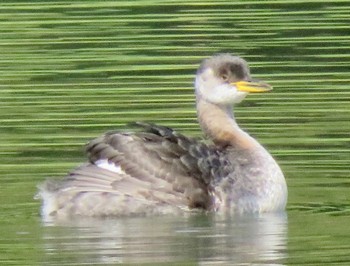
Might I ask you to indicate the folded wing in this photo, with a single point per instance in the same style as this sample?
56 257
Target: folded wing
153 170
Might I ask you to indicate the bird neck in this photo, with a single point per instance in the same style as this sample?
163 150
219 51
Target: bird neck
219 124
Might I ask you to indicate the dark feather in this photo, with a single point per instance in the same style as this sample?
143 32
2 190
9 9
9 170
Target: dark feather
157 152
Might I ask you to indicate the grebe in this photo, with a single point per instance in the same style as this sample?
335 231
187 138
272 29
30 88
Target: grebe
157 170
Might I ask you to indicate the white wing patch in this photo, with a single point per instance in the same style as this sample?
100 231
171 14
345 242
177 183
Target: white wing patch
105 164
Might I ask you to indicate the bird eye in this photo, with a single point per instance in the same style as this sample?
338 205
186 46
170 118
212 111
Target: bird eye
224 77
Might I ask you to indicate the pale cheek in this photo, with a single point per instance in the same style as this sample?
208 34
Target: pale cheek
226 94
212 89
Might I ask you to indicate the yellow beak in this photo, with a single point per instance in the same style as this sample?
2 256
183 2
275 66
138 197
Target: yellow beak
248 86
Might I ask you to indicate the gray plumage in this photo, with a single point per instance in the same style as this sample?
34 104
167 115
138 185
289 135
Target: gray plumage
156 170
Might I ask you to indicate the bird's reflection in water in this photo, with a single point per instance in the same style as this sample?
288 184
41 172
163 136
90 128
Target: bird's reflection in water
198 239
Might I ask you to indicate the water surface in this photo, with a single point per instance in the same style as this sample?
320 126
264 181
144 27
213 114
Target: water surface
70 71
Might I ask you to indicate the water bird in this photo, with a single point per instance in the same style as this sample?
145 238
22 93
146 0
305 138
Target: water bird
156 170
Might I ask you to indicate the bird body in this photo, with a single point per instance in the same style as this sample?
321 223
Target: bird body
156 170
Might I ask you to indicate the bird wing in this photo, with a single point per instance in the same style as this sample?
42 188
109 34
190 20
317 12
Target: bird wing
156 164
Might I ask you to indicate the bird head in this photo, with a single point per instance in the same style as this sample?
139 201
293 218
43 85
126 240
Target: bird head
225 80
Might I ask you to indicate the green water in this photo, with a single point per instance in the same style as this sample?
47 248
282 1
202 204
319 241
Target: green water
70 70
